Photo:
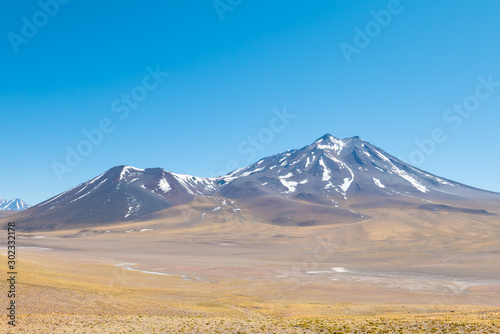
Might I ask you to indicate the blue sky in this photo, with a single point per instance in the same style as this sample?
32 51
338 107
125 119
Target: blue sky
230 69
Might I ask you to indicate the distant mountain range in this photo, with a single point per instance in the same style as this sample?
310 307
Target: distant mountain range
13 205
329 181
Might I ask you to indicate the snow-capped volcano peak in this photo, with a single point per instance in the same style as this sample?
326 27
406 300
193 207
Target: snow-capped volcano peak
340 168
330 171
326 137
16 204
330 138
128 172
126 193
331 167
329 142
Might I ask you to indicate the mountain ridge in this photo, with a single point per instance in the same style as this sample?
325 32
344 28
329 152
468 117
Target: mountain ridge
15 204
326 176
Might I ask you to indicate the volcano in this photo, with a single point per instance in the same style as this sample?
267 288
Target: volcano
329 181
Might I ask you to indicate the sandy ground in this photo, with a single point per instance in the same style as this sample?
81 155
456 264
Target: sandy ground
484 322
403 273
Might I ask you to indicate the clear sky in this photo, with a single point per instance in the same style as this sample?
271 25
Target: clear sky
392 72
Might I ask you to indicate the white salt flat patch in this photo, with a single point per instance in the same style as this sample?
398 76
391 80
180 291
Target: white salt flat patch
35 248
127 266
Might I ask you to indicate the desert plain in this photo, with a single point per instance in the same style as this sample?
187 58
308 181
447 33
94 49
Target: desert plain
193 270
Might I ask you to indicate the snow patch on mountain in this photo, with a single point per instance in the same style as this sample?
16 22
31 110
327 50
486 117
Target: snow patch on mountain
326 172
197 186
128 171
403 174
13 205
286 176
378 183
347 183
307 162
164 186
76 199
332 144
291 185
134 206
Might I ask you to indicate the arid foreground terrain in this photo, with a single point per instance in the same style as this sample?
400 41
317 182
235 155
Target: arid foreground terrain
399 271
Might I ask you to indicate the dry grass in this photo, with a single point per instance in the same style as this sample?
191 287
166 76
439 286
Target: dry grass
477 322
234 277
84 301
